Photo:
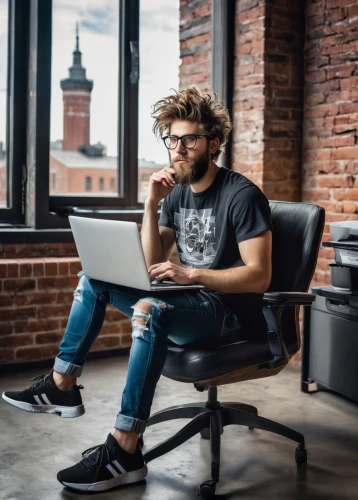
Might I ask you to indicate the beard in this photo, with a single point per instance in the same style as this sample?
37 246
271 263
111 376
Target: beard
193 172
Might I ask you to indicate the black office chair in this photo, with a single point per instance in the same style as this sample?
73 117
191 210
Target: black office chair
297 232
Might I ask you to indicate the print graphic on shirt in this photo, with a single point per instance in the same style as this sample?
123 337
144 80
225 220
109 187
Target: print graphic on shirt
195 236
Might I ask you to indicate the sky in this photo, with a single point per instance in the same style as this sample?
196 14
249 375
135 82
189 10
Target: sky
98 26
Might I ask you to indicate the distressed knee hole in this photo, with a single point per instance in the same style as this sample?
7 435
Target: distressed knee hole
78 293
142 314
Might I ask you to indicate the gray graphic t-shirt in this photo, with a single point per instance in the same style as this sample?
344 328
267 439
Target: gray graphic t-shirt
209 225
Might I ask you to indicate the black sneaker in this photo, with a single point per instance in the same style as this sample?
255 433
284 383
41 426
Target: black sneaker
43 396
104 467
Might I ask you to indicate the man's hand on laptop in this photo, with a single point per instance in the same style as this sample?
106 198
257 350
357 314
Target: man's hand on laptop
181 275
161 184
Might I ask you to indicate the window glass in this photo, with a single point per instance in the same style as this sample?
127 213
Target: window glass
84 97
4 13
88 186
159 74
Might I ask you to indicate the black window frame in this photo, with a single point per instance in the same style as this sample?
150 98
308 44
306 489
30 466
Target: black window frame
17 54
59 206
29 102
223 18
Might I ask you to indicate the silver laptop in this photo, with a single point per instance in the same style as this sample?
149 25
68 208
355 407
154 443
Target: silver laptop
112 251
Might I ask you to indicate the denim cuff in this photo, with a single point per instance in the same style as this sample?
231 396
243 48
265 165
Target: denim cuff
67 368
130 424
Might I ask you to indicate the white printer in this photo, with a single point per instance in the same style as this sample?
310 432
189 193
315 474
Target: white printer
344 273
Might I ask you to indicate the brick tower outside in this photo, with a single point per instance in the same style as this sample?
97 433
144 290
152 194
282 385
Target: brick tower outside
76 103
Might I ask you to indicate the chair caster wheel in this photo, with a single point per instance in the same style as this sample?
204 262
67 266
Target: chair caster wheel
301 456
251 428
207 489
205 433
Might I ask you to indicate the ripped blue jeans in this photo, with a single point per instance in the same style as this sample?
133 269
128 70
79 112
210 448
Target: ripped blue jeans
193 317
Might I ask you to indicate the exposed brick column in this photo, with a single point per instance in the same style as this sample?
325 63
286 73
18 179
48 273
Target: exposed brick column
248 98
268 95
268 87
330 167
284 80
195 43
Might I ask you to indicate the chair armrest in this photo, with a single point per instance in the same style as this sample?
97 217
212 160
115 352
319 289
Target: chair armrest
289 298
274 304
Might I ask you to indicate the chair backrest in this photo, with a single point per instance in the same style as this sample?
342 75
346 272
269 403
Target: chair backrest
297 233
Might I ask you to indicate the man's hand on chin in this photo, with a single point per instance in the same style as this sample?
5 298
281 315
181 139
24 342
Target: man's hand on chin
179 274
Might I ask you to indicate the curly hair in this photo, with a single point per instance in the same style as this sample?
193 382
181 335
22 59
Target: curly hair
191 104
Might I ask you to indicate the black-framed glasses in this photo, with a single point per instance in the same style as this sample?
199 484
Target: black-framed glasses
188 141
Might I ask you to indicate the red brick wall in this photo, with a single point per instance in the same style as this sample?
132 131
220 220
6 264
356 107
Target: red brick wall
284 43
248 98
295 108
36 294
330 166
195 43
268 93
268 88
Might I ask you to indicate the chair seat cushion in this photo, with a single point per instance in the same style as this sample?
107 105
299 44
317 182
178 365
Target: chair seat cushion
192 365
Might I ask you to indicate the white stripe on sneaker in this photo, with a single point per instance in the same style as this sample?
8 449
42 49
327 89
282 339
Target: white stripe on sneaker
119 467
112 471
38 400
46 399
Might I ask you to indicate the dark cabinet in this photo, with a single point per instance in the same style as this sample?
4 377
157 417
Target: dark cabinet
330 342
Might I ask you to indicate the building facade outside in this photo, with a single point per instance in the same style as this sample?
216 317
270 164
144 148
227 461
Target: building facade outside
76 166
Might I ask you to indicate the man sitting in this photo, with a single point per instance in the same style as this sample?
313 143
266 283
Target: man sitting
220 222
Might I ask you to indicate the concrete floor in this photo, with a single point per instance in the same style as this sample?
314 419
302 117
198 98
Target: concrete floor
255 464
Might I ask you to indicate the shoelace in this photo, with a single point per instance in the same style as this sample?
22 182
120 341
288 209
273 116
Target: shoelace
38 381
96 455
43 380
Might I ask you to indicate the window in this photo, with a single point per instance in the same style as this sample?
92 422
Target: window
88 184
77 115
13 55
159 41
94 103
84 90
